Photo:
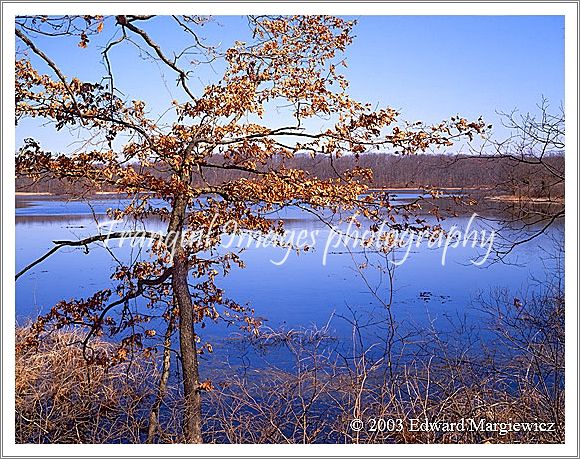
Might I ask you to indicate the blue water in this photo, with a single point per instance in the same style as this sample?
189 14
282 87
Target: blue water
301 292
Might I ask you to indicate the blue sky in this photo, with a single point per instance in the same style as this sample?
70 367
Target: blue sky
428 67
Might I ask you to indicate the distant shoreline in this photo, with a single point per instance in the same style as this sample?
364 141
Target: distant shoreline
116 193
32 193
511 198
493 197
96 193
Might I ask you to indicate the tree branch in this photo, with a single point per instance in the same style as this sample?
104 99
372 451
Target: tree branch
124 22
85 242
52 65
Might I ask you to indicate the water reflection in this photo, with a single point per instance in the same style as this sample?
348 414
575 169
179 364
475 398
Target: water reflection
299 292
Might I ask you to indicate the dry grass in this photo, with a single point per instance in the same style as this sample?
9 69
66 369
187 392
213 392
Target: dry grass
517 378
520 378
61 399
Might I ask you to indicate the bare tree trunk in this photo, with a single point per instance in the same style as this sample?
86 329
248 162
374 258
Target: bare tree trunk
154 414
182 296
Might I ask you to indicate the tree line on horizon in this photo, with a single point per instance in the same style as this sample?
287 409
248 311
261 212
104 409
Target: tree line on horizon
502 175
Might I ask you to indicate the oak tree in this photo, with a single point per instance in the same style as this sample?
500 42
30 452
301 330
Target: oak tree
285 62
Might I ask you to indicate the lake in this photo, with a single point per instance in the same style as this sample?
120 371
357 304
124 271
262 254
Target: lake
307 289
